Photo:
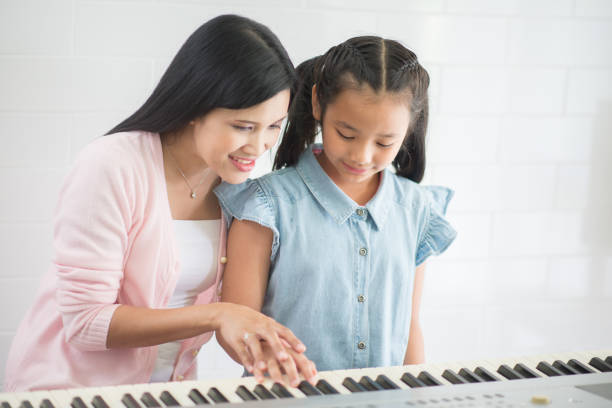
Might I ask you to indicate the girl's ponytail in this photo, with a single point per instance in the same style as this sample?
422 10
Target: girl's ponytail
302 127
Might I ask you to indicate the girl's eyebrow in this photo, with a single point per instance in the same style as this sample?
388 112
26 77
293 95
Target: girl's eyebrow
349 127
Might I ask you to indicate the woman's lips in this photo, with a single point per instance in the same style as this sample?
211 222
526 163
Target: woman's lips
243 164
354 170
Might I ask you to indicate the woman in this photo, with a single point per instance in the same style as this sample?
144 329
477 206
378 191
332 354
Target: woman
139 243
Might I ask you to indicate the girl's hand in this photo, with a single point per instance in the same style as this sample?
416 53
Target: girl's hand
240 330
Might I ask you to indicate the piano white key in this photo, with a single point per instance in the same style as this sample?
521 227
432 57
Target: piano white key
61 397
11 399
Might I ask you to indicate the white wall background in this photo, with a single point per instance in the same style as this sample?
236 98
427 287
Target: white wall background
521 128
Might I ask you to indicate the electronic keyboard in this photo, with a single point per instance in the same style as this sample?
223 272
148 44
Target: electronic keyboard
578 380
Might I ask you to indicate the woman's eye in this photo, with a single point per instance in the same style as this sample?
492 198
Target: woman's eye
384 145
243 128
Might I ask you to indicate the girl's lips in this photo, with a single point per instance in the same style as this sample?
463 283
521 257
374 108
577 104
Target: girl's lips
241 164
353 169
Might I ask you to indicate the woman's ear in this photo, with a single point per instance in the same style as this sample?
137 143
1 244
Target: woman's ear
316 108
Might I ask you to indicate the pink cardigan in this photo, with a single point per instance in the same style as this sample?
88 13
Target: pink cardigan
114 246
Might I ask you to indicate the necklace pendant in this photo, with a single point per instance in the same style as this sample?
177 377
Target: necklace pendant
193 194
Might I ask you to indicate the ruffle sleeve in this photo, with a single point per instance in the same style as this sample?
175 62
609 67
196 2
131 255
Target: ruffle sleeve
437 233
248 201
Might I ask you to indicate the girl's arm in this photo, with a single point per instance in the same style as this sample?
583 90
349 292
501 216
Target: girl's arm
245 280
415 352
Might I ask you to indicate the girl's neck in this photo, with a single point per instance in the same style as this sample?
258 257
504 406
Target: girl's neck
360 192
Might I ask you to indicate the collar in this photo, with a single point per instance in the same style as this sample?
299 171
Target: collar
333 199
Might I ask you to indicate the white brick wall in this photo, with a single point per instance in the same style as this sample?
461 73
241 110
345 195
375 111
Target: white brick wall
521 101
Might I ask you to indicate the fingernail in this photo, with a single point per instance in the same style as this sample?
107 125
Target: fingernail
261 365
295 383
301 347
249 368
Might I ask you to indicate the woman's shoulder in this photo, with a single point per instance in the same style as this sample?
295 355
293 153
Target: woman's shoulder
120 147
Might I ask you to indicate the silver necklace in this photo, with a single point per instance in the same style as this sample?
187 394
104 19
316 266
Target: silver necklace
193 190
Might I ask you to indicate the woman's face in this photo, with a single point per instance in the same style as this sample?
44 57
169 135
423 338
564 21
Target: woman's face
231 140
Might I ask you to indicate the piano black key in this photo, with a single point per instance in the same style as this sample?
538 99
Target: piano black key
169 399
369 384
386 383
196 396
525 371
98 402
5 404
245 394
129 401
77 402
549 370
46 403
281 391
352 385
470 376
412 381
308 389
26 404
428 379
601 365
216 396
609 360
509 373
580 367
485 374
453 377
564 368
263 393
149 401
326 388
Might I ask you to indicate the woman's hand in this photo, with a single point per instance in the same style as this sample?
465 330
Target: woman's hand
242 332
297 364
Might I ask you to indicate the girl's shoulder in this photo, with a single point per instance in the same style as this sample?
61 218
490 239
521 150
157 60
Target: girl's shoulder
410 194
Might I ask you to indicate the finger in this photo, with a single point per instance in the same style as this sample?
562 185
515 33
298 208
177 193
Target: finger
259 374
275 344
274 370
254 346
291 370
244 356
286 334
306 367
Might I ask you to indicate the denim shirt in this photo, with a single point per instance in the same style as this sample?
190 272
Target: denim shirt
341 275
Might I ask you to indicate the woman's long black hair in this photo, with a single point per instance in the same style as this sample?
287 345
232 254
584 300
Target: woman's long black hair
385 65
229 62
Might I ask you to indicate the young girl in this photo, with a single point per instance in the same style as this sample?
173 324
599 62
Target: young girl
139 240
333 245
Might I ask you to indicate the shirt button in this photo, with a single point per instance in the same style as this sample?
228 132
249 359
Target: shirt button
361 345
180 377
223 260
360 212
363 251
361 298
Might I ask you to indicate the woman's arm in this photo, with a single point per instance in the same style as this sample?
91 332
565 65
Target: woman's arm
245 281
415 352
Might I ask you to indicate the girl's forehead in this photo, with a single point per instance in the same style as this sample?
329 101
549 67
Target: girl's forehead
364 107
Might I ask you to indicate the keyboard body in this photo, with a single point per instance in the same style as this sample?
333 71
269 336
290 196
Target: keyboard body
577 380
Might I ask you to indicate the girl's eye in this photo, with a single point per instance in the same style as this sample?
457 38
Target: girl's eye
243 128
343 136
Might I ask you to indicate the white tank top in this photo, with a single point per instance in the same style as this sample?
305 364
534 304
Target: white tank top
197 244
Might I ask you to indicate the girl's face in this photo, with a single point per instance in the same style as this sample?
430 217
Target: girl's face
362 133
230 140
